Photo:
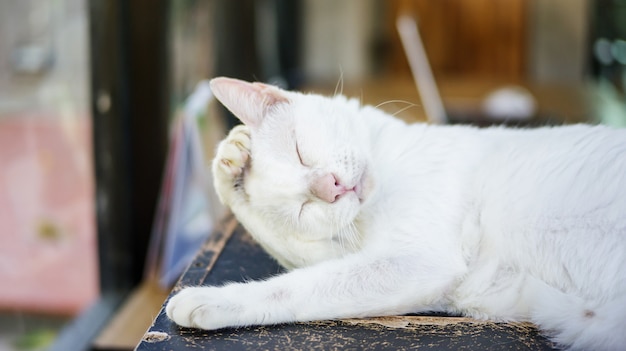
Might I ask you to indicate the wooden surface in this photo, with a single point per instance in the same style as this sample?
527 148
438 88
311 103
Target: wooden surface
132 320
231 255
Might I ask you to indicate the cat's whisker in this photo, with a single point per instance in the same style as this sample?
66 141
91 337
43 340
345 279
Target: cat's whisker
403 109
342 244
349 238
339 85
340 238
411 104
354 237
344 238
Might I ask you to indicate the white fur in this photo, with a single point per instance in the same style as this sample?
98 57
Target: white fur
505 224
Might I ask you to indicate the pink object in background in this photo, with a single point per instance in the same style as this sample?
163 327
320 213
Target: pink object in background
48 250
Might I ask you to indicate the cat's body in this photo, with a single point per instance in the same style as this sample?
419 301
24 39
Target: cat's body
375 217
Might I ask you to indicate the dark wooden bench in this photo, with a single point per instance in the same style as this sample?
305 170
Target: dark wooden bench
231 255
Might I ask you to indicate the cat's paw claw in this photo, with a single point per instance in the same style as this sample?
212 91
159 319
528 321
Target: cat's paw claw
231 160
234 152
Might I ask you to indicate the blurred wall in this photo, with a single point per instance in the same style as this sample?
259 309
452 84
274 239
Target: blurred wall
336 38
516 40
558 41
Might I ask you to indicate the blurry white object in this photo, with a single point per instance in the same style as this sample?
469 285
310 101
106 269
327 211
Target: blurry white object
510 103
197 102
32 59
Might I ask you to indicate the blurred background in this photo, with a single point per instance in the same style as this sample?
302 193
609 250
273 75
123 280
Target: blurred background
91 92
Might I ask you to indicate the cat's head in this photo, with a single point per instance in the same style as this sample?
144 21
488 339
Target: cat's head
310 164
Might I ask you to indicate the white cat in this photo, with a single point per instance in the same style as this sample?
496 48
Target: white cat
376 217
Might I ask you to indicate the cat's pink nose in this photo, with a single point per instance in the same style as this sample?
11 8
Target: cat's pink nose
328 188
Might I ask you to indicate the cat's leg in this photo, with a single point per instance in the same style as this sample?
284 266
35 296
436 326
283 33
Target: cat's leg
343 288
232 156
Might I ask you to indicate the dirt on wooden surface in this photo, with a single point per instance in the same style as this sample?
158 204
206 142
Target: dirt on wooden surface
232 255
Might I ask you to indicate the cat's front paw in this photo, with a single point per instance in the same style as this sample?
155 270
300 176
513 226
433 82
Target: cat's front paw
201 307
234 151
231 159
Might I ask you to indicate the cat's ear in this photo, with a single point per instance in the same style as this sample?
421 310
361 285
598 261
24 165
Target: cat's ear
248 101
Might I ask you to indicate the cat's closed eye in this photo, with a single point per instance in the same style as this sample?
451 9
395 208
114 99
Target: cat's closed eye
300 155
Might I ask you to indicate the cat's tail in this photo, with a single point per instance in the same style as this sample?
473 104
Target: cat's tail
579 324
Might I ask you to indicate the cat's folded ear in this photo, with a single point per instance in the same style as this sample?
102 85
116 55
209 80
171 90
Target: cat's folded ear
248 101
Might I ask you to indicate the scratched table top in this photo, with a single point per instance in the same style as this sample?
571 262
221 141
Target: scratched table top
231 255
